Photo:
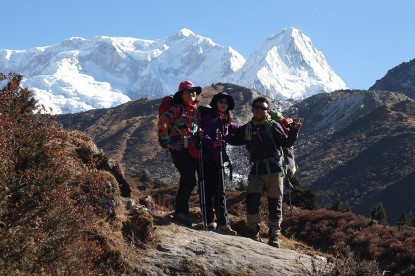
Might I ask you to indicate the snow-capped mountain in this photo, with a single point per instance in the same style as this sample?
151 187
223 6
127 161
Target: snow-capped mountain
81 74
288 66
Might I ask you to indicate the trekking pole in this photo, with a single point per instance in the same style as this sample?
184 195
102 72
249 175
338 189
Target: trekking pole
202 186
219 136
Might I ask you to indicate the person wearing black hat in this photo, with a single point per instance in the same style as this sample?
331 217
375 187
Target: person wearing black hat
177 127
217 127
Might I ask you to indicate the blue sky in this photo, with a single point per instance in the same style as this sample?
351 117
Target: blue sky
361 39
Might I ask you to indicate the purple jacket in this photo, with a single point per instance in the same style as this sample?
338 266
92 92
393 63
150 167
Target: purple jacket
210 125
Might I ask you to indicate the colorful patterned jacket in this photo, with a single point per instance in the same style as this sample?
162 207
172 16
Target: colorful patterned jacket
178 122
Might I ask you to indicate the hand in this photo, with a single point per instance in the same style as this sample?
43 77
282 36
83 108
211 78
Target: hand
175 145
217 143
297 124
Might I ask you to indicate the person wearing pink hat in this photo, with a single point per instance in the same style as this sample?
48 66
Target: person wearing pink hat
177 129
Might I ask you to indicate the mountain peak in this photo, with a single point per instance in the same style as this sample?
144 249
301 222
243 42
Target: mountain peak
301 69
288 35
185 33
291 31
75 38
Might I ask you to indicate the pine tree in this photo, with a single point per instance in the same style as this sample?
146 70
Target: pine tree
404 219
378 213
339 207
336 207
298 195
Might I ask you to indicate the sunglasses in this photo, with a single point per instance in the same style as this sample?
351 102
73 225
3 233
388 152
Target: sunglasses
223 102
259 107
189 91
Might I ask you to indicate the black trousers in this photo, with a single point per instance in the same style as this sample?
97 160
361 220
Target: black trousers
188 168
214 192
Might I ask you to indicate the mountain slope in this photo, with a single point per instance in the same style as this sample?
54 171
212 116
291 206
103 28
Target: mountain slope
400 78
402 189
355 159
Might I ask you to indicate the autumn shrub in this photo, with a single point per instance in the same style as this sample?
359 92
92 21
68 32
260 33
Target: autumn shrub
52 196
139 228
347 263
393 248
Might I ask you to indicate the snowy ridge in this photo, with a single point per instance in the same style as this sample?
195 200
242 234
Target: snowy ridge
288 66
81 74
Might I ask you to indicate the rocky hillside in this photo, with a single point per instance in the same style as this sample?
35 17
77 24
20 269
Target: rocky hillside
65 209
400 78
356 144
350 148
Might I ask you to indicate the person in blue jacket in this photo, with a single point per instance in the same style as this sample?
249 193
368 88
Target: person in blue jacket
217 127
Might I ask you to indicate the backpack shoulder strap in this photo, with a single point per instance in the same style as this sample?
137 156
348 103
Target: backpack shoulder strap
248 137
181 110
278 149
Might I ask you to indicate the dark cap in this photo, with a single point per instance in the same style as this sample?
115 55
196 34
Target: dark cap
221 95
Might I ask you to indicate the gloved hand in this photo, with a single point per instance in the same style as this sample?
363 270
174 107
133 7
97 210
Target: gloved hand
290 172
175 145
298 123
217 143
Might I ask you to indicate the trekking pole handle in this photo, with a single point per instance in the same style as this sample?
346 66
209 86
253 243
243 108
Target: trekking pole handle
198 137
219 136
200 131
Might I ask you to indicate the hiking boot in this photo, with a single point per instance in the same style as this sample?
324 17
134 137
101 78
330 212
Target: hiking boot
211 226
255 236
274 241
227 230
182 219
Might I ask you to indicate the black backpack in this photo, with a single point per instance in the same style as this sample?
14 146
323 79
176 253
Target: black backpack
204 109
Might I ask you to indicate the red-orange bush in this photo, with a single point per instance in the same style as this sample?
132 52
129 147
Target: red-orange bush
50 199
392 247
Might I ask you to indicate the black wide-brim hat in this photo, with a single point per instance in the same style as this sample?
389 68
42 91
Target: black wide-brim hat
221 95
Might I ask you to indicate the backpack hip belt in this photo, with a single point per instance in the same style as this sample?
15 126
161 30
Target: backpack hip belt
265 161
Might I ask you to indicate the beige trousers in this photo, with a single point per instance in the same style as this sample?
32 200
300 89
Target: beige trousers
272 185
